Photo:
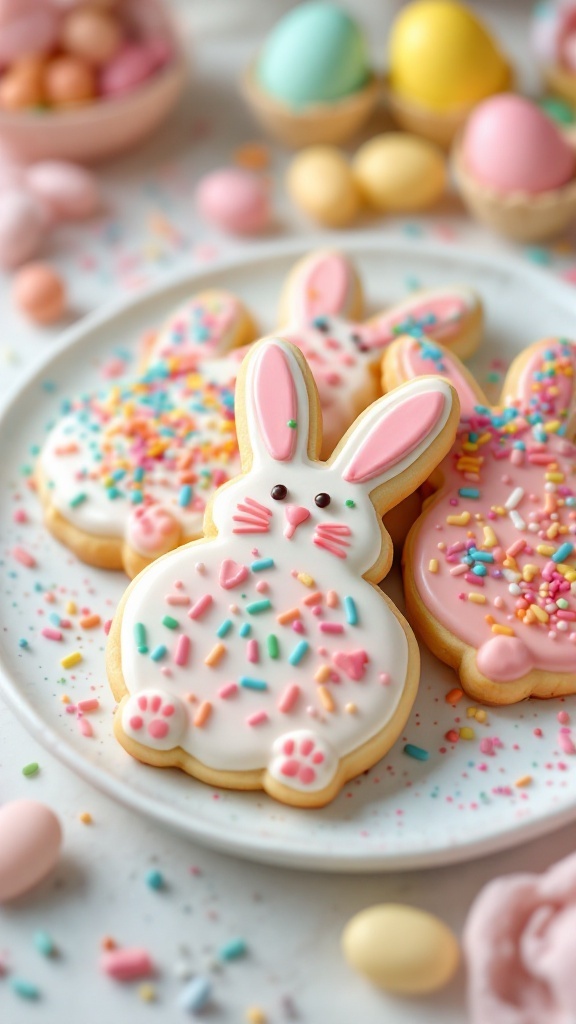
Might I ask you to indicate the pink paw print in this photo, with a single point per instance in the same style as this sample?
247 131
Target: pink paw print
302 761
155 719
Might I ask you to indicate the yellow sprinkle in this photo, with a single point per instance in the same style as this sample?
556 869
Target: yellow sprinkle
545 549
466 733
471 712
481 715
350 709
529 572
554 478
69 660
570 576
326 698
216 653
322 674
462 520
470 446
433 565
85 818
502 630
147 993
254 1015
307 580
490 539
203 714
484 438
499 510
539 613
552 427
477 598
524 780
71 608
65 698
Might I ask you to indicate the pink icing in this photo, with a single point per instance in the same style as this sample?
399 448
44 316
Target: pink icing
325 288
275 401
232 574
295 515
504 658
416 364
440 316
151 529
396 434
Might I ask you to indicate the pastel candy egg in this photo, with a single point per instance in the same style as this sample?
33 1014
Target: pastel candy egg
132 65
400 172
401 949
442 57
68 191
26 31
320 182
23 224
315 54
39 293
23 84
30 840
236 200
91 33
511 146
69 81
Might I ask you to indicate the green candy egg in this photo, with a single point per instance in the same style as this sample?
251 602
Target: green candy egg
315 54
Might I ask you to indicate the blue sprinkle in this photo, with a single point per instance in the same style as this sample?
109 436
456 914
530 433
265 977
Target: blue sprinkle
469 492
262 563
159 652
137 497
54 618
24 989
138 474
224 628
195 995
299 651
23 643
563 552
44 943
245 629
479 570
418 753
232 950
351 611
253 684
185 496
155 879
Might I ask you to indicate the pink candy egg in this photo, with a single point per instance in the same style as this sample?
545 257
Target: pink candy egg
23 224
39 293
30 840
130 67
511 146
236 200
68 191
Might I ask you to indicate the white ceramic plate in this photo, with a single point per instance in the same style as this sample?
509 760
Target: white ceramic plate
404 813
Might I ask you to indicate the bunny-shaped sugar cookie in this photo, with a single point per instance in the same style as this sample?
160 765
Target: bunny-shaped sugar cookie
126 476
265 656
490 566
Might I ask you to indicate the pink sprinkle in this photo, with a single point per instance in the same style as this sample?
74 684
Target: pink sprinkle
20 516
516 548
565 742
107 626
563 717
331 627
88 705
85 727
51 634
182 599
201 605
228 690
298 626
289 698
252 652
457 570
24 557
258 718
182 650
384 678
262 586
487 746
332 599
126 964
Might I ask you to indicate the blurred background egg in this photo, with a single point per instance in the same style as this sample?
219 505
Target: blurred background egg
510 145
315 54
442 57
39 293
92 34
69 81
321 184
400 172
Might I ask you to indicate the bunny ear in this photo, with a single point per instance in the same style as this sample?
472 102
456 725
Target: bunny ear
543 379
324 283
273 395
396 431
209 324
450 315
409 358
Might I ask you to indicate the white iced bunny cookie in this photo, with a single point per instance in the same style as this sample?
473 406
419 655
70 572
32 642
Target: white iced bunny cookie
490 566
125 475
266 656
320 310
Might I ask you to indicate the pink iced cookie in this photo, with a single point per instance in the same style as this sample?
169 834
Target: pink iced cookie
520 944
235 200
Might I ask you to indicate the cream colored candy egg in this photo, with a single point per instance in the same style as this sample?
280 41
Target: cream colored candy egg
401 949
320 183
398 172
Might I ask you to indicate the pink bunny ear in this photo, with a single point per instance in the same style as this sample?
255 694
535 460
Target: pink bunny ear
417 357
322 284
394 432
543 379
445 314
276 400
209 324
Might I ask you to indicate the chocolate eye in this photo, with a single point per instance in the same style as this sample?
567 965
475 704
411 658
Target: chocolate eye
279 492
322 500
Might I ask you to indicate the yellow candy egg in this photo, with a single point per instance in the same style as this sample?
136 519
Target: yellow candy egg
321 184
401 949
442 57
397 172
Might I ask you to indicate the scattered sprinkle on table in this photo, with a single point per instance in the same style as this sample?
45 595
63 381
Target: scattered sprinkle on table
31 769
195 995
232 950
44 943
155 880
418 753
25 989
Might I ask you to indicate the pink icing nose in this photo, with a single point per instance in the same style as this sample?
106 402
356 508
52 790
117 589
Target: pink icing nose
295 514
